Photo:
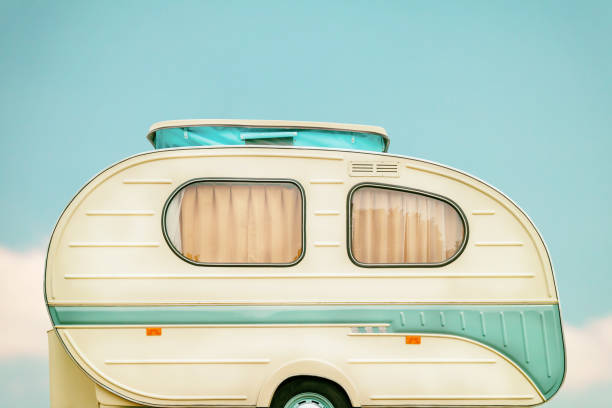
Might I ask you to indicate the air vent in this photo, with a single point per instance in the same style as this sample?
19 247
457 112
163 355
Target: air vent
374 169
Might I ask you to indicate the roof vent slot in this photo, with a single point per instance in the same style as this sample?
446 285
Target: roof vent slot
374 169
362 169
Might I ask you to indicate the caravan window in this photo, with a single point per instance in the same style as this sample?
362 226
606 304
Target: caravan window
400 227
237 222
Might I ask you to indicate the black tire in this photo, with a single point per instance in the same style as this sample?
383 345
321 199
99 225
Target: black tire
325 388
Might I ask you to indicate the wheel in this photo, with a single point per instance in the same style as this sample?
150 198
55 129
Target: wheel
309 393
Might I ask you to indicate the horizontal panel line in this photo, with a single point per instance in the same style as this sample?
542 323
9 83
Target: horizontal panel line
276 155
304 303
220 326
483 212
420 361
327 212
326 244
508 243
326 181
450 397
207 397
293 276
120 212
147 181
377 334
113 244
188 361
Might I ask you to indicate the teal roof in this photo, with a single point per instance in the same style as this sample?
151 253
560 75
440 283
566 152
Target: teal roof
235 133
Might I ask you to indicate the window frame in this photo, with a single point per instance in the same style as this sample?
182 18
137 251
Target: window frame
349 229
235 179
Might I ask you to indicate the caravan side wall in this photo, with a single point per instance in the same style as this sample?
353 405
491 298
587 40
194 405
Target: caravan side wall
488 321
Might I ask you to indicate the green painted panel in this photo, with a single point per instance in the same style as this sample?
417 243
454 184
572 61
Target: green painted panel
529 335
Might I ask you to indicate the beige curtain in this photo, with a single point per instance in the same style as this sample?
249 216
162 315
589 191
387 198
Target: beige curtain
239 222
397 227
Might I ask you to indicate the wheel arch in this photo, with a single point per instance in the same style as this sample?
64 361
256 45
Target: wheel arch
307 368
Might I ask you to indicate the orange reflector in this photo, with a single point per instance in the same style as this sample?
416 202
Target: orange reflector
413 339
153 331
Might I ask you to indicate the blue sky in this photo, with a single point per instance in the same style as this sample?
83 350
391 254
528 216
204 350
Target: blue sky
518 93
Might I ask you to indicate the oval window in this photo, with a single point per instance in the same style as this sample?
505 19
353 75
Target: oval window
392 226
237 222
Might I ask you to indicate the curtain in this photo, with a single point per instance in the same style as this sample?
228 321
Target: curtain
241 222
398 227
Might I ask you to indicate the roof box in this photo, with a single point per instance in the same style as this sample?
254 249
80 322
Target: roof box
212 132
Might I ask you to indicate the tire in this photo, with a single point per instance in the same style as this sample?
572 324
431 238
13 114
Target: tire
310 393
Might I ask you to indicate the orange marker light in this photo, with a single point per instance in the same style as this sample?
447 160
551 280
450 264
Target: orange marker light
153 331
413 339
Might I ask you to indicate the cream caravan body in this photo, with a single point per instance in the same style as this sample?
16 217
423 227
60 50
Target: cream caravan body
150 324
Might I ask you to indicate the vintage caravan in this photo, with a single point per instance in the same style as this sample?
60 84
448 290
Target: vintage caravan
294 264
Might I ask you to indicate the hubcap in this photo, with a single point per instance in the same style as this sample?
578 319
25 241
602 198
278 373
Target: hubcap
308 400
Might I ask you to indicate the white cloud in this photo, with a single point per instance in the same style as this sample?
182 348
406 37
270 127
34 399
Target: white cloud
589 354
23 315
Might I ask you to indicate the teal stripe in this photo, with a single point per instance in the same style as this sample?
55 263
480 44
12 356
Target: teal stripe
529 335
